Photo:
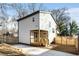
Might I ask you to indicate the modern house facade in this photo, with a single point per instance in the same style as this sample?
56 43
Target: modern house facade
37 27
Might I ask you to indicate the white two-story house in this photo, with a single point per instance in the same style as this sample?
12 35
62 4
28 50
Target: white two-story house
37 27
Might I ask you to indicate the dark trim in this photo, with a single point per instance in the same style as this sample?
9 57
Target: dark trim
28 44
28 15
53 19
18 31
30 36
48 38
24 43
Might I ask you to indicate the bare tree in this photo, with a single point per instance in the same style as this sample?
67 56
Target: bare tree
20 9
62 19
3 17
34 7
23 9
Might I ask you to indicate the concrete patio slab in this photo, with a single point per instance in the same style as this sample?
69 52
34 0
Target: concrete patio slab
37 51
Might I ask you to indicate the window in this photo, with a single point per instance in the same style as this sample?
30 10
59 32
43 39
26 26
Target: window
33 19
53 31
49 24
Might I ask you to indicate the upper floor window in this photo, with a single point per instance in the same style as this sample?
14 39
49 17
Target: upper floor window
33 19
53 31
49 24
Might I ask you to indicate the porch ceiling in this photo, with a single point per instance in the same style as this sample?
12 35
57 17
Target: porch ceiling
40 30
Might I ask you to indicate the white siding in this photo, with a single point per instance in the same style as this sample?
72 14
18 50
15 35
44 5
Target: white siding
44 21
25 26
48 23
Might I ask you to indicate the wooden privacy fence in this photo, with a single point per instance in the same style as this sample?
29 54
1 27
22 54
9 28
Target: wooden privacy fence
8 39
65 40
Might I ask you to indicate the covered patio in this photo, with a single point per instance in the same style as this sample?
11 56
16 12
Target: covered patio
39 37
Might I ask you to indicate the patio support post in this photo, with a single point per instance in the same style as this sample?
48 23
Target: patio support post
39 35
39 31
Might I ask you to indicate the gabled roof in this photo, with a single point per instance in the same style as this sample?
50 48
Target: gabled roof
34 14
28 15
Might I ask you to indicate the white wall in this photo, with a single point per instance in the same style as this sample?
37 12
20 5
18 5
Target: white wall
25 26
45 20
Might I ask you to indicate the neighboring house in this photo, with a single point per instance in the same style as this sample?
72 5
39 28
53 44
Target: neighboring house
12 25
37 26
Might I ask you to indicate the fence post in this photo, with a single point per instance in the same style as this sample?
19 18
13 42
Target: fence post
77 44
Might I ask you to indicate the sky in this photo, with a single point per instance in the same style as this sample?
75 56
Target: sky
61 5
73 9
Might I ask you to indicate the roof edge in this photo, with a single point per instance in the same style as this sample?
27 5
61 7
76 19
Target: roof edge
28 15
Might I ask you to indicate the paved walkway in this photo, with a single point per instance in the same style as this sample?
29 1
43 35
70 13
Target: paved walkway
36 51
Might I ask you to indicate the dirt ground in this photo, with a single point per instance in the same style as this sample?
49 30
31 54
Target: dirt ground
6 49
63 48
30 51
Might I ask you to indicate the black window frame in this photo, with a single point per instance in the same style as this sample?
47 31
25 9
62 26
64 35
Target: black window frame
33 19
